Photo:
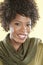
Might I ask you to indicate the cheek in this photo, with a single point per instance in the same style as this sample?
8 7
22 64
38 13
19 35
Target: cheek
11 30
17 29
14 30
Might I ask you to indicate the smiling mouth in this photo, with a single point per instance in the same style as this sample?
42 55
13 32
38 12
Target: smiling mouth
22 36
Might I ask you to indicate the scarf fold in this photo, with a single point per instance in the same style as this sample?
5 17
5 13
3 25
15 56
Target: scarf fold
23 56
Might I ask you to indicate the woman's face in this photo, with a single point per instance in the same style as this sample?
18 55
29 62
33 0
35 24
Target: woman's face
20 28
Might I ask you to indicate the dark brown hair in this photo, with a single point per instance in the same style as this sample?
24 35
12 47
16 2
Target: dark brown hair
9 9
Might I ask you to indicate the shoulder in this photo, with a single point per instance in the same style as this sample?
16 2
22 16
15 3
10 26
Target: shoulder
1 44
1 47
37 41
39 48
1 52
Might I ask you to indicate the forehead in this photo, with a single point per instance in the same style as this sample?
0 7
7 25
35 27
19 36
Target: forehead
22 18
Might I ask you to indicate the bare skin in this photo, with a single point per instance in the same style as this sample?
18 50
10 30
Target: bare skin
20 28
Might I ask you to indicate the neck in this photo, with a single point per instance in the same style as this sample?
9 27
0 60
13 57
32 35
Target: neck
15 44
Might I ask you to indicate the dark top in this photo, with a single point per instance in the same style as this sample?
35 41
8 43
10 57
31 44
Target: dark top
29 53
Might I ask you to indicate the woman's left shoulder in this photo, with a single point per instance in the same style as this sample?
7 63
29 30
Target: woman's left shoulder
38 41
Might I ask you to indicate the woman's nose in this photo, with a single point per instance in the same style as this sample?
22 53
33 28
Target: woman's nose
23 29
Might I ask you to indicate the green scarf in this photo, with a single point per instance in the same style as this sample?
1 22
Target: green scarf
23 56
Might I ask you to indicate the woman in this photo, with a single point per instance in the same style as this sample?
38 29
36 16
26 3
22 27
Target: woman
19 17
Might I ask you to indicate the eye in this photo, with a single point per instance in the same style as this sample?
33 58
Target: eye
17 24
28 25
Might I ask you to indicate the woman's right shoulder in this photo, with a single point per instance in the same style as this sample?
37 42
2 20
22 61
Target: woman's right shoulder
1 44
1 47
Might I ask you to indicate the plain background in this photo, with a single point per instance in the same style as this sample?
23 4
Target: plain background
38 30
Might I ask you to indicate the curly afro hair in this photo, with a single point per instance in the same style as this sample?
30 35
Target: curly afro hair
9 9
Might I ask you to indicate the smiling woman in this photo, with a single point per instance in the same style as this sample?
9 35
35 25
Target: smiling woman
17 48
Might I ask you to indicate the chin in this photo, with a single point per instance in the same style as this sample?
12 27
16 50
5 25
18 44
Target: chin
21 41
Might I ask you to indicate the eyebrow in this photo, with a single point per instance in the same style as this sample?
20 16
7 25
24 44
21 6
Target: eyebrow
21 21
17 20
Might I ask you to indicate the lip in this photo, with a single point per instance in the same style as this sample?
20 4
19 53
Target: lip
22 36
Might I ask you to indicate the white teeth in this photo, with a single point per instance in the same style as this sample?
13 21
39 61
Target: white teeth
22 36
